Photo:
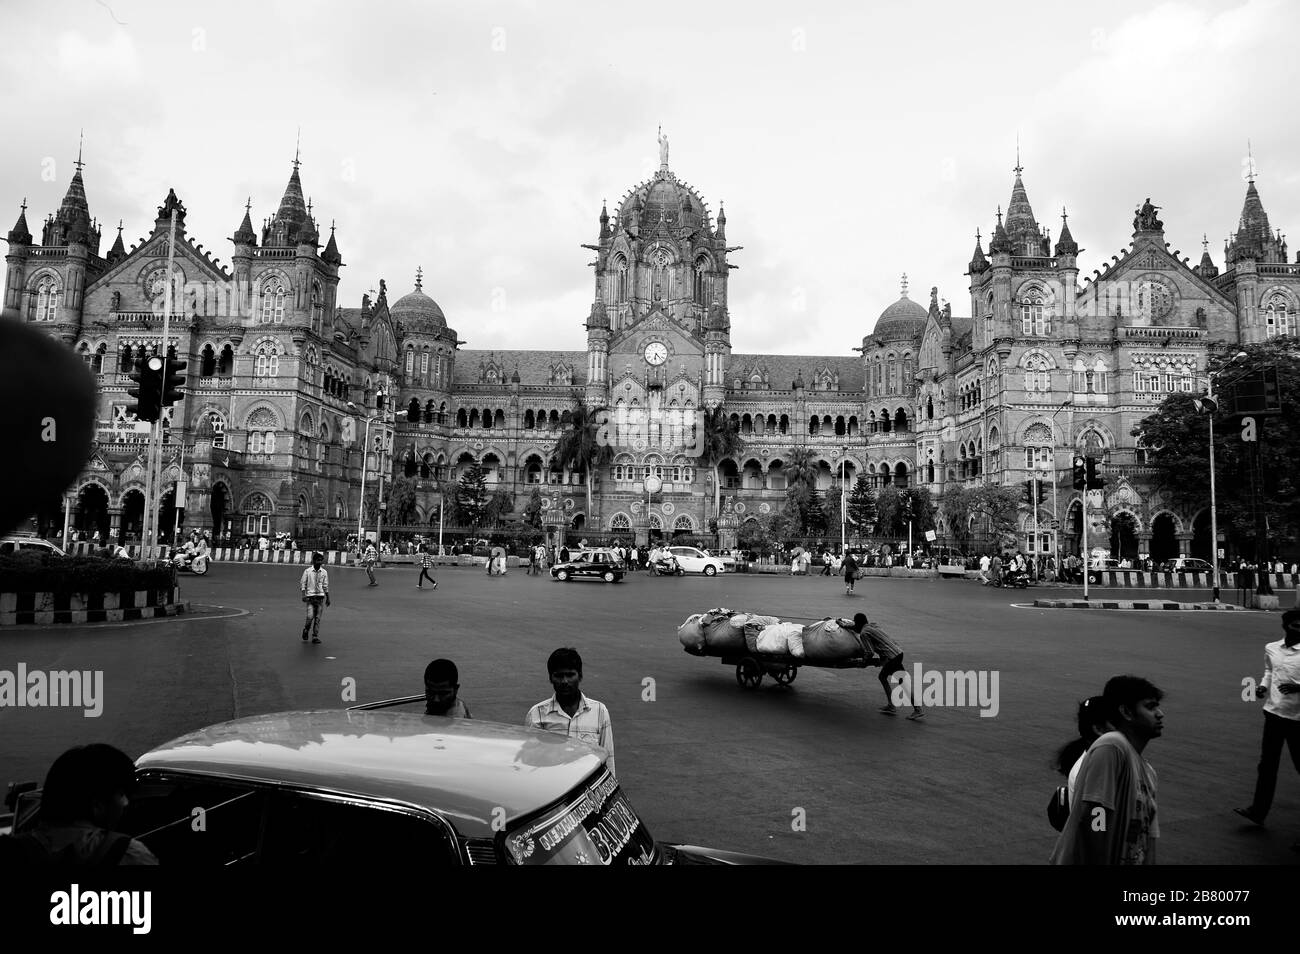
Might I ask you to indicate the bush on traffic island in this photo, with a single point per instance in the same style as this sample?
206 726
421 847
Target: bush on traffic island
42 573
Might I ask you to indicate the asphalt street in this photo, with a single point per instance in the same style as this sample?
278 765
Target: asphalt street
808 773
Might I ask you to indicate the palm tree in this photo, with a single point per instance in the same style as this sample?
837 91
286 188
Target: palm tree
800 467
580 447
721 439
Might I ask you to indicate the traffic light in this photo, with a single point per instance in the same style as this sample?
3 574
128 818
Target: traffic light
148 378
907 506
1272 400
1080 473
1095 479
173 381
1029 492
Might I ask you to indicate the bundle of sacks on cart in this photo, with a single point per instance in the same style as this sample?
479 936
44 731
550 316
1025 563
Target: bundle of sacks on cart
725 632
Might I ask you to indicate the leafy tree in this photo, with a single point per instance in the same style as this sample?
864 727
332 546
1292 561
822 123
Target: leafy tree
757 535
472 496
501 503
862 506
831 510
720 440
992 505
1176 437
581 446
893 518
401 501
533 510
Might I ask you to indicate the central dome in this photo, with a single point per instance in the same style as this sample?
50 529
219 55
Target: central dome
418 311
663 195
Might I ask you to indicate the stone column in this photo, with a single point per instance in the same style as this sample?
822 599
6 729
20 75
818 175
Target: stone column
1184 538
114 524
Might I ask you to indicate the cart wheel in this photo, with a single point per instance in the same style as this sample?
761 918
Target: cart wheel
748 673
786 676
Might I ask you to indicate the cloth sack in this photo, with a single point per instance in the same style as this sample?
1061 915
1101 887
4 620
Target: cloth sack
776 638
720 636
828 641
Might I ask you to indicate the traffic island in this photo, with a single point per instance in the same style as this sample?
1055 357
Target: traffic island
1132 605
45 590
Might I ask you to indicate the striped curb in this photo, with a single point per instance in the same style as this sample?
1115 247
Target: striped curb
47 609
1134 605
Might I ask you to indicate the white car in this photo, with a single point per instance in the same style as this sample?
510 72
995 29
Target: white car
19 544
696 561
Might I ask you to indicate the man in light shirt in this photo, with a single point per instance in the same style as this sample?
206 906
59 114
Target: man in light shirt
1281 685
568 711
315 586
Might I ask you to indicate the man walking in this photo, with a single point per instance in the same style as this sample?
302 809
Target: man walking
850 573
1113 813
368 561
568 711
879 644
1281 685
426 561
315 586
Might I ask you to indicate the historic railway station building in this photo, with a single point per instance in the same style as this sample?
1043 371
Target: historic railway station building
282 379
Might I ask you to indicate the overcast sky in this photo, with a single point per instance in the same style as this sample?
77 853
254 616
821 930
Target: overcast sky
477 139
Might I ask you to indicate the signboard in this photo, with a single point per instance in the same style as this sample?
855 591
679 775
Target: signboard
1256 393
931 536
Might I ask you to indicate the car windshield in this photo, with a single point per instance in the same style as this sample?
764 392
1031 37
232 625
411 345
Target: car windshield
595 825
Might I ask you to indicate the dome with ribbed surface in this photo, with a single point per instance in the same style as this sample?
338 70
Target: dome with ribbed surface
903 319
417 311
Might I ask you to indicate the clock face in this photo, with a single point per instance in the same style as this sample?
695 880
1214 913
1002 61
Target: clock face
1155 300
656 353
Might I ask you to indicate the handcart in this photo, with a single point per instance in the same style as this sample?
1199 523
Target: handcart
751 666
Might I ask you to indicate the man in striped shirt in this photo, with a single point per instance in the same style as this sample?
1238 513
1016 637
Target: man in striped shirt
426 561
875 639
315 586
568 711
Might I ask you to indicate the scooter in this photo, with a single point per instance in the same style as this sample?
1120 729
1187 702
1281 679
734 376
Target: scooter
1014 578
666 566
196 563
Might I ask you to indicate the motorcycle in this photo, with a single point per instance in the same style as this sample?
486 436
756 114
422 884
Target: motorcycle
666 566
196 563
1014 578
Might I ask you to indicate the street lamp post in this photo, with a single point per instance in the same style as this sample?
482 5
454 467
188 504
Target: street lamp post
843 501
1210 405
365 451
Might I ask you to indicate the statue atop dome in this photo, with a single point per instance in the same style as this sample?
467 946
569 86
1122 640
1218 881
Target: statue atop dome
663 150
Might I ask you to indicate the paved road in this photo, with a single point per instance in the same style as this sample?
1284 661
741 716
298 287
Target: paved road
708 762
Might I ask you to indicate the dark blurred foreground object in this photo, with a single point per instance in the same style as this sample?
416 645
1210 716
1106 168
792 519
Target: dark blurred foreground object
49 398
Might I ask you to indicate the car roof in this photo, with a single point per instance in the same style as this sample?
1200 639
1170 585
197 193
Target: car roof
463 769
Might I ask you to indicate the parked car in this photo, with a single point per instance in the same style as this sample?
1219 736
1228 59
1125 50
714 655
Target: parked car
385 791
1100 566
694 560
590 564
20 544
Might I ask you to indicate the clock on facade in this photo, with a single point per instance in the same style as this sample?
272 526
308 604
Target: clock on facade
656 353
1155 300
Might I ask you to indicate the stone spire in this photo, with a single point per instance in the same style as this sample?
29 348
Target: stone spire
331 254
1001 244
978 263
1065 244
1254 236
1026 238
245 235
20 234
118 251
604 221
1207 267
292 213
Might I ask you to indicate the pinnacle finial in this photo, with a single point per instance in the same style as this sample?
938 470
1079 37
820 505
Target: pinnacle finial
1018 168
248 206
81 139
1064 215
419 279
297 149
309 205
1205 242
1250 163
978 237
24 205
331 227
119 226
904 284
999 215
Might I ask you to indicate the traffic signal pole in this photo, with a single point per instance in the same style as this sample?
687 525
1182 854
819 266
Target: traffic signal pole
155 462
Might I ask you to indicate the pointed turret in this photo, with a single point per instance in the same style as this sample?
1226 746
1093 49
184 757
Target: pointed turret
244 235
1022 229
331 254
604 222
598 318
1065 244
1254 238
289 219
978 263
118 251
20 234
722 222
1001 244
75 211
1207 268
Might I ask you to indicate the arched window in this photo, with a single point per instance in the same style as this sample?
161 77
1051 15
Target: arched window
218 421
317 306
620 523
273 302
1277 317
257 514
929 409
410 362
1033 318
267 363
47 299
424 365
207 362
413 410
226 363
900 476
700 283
261 431
1038 375
1038 447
